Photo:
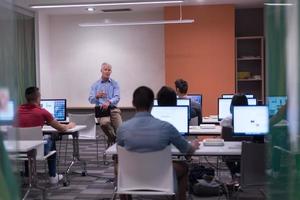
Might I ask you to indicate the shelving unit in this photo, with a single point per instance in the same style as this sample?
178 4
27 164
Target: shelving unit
250 60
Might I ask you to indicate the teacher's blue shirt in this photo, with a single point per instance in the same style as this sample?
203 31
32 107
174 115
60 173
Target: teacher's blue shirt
110 87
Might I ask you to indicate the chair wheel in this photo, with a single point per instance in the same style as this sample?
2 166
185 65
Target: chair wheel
83 173
66 183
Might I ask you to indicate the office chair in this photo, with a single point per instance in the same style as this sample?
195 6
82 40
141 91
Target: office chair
90 131
31 133
139 173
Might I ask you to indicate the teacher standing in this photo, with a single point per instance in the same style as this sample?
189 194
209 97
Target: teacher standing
105 94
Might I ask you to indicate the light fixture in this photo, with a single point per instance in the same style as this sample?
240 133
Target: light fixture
91 9
159 22
278 4
136 23
105 4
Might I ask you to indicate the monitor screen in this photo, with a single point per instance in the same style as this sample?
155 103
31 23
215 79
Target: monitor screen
224 107
250 120
275 103
180 102
57 107
7 114
195 97
229 96
175 115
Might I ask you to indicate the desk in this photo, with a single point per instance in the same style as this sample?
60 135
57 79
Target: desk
30 148
229 149
210 120
198 131
76 156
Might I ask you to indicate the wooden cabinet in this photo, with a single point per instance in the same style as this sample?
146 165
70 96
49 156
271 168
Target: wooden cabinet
250 76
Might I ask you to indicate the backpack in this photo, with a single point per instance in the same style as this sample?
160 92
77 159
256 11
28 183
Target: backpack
202 182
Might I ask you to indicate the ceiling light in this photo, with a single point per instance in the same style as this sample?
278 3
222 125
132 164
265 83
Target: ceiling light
105 4
91 9
181 21
278 4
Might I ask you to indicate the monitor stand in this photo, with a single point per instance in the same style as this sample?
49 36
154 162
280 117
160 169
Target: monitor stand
258 139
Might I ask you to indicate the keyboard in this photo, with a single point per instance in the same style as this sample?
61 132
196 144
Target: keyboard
207 126
213 142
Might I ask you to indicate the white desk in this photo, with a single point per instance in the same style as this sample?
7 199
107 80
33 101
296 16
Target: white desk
229 149
30 148
76 155
210 120
198 131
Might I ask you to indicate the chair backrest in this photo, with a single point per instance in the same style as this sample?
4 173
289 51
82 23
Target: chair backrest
253 164
29 133
85 119
151 171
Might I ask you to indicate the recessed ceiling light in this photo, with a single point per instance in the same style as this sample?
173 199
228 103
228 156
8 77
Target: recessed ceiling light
91 9
279 4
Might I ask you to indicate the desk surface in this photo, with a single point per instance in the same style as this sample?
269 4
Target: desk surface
22 145
72 130
229 148
197 130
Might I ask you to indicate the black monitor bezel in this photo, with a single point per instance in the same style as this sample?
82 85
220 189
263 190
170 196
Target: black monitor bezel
188 121
65 114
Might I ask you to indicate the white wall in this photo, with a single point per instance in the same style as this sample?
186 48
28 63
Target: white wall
70 60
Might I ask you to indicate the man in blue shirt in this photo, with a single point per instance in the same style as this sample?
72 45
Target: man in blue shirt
105 94
144 133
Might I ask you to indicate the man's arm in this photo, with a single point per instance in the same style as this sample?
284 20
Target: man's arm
116 94
92 96
61 127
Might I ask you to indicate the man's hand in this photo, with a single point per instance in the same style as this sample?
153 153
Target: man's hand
71 125
105 105
101 94
195 144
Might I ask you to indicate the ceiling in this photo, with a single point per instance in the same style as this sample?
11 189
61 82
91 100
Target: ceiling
141 8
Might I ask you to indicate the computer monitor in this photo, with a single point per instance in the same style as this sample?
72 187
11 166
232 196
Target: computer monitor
180 102
57 107
250 120
224 107
175 115
275 103
195 97
230 96
7 114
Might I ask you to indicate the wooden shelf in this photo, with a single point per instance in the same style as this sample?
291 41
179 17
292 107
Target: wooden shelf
249 79
254 58
250 38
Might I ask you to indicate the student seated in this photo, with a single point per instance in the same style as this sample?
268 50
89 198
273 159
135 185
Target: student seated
181 90
144 133
233 163
31 115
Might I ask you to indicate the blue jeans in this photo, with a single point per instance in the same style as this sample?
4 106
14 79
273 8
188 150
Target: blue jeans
49 146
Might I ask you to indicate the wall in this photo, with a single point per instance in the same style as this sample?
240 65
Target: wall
70 61
202 52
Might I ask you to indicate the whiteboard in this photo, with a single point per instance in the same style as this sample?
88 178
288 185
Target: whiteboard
70 57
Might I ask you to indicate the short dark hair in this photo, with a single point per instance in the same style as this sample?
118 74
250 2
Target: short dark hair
166 96
238 100
143 98
32 93
182 86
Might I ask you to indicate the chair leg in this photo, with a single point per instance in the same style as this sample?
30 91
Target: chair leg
66 150
114 194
